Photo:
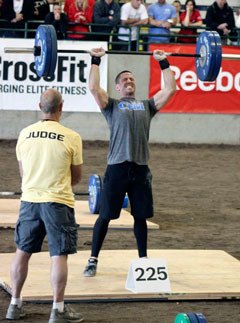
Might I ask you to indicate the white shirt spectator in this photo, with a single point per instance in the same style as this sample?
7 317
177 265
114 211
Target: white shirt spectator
17 5
129 12
237 20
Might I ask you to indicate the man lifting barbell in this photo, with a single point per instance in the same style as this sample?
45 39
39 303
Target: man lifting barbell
127 167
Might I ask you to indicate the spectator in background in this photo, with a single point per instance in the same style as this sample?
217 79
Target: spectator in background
107 14
238 18
190 17
178 6
68 3
133 14
79 12
59 20
163 16
16 13
220 17
42 8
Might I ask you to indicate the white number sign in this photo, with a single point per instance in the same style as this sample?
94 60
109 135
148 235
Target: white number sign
146 275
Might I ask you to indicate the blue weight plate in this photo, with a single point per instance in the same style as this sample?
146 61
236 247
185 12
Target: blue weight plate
125 202
207 48
53 35
218 61
201 318
192 317
43 39
94 190
214 52
182 318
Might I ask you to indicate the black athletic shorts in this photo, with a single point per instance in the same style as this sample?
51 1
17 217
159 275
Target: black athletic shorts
130 178
56 220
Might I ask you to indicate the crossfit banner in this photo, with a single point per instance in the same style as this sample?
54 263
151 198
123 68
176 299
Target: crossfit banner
20 87
192 95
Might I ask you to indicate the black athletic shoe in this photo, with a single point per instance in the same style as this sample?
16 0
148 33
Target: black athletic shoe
91 268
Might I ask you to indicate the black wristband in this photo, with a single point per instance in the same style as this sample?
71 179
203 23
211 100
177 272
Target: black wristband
164 64
96 60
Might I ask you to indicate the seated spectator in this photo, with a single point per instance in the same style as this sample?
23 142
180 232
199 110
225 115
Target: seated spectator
42 8
80 13
163 16
178 6
190 17
67 3
220 17
133 14
16 13
107 14
59 20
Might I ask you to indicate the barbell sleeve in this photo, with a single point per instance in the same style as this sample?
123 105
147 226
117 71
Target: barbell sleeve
16 50
231 56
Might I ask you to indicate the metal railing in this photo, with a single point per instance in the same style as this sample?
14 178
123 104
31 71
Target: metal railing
142 34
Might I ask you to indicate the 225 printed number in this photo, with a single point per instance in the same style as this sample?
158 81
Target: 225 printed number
151 273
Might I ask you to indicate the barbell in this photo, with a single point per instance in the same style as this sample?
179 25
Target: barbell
208 53
94 194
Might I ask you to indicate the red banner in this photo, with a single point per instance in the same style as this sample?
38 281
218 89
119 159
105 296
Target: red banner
192 95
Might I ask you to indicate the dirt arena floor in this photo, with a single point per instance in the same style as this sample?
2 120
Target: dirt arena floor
197 205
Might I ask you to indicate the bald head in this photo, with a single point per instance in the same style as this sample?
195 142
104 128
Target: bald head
50 101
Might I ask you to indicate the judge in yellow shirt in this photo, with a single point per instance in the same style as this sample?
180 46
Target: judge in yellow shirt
50 159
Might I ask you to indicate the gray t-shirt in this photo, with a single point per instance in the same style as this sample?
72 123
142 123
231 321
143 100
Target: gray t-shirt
129 122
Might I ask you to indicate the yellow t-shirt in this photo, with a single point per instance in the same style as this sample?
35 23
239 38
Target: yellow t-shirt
47 150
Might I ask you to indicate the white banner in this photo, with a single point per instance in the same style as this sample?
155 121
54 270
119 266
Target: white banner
20 87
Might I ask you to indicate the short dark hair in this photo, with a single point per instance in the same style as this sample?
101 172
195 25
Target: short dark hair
119 74
193 2
177 1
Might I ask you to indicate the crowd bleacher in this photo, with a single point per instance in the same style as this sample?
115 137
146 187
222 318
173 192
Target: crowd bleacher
113 21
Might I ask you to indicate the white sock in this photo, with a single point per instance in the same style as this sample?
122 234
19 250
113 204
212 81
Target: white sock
16 301
59 306
95 258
